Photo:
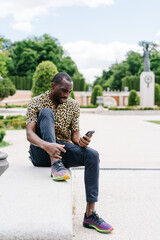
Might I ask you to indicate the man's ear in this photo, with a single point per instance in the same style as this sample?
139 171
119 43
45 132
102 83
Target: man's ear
52 85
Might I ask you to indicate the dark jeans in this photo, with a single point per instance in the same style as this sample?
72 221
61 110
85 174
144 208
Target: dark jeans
75 155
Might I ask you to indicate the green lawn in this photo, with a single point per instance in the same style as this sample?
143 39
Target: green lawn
4 144
158 122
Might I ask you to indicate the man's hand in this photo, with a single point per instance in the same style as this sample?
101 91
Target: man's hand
84 141
54 150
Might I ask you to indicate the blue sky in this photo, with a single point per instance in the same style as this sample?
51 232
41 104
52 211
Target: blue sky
95 33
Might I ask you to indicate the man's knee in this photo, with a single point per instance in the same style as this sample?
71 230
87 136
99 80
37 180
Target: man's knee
92 156
46 112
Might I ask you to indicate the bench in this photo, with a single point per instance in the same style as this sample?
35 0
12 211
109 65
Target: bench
32 205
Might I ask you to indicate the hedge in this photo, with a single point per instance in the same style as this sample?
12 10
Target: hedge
15 122
22 83
2 134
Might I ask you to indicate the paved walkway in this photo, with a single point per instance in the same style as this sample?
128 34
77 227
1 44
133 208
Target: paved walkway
129 199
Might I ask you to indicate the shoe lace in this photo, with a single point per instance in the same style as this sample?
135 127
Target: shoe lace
58 165
96 218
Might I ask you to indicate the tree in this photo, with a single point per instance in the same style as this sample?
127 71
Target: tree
119 71
6 88
42 77
68 65
133 98
27 54
3 59
135 62
155 60
97 91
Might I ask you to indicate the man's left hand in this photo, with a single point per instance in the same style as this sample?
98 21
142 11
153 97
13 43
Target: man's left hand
84 141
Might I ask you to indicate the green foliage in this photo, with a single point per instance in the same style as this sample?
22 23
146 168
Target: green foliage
88 106
2 134
119 71
72 95
134 61
7 88
22 83
13 122
4 57
155 59
27 54
97 91
78 82
133 98
157 79
113 77
157 94
132 82
14 106
42 77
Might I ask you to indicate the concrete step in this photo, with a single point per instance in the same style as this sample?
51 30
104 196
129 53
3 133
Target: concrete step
3 162
32 205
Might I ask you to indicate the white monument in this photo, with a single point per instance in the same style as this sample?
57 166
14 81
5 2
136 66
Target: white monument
147 79
147 82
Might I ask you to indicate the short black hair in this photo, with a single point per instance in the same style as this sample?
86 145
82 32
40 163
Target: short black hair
60 76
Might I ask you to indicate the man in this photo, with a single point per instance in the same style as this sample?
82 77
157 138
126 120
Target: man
53 131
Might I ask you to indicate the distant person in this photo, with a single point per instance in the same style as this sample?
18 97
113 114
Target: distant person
53 131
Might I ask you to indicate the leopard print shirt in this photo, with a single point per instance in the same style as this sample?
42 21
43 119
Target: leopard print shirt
66 115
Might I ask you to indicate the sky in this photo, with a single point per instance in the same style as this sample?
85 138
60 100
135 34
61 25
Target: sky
95 33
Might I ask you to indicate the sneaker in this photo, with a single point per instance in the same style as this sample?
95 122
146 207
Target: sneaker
94 221
58 171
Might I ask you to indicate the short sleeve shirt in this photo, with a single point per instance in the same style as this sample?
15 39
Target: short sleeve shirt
66 115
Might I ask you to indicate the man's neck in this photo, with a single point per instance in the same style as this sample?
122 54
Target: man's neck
53 100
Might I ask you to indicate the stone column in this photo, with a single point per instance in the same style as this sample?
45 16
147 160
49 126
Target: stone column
147 82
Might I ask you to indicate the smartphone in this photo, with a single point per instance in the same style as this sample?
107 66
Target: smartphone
89 134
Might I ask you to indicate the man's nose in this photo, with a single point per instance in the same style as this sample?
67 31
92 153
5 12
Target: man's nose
66 95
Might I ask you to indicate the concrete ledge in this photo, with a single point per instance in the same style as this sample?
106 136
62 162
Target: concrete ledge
33 206
3 166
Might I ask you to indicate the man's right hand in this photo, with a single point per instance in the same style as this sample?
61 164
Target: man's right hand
54 150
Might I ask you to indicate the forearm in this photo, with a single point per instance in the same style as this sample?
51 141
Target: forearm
76 137
34 139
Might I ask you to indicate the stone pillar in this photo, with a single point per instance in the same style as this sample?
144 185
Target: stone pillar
84 100
147 82
121 101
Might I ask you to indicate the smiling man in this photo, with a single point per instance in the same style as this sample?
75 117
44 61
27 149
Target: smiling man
53 131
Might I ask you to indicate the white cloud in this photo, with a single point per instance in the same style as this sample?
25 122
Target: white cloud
92 58
158 34
24 12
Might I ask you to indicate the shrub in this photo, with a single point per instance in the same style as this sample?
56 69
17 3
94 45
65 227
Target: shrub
7 88
97 91
1 124
133 99
42 77
23 124
72 95
157 94
2 134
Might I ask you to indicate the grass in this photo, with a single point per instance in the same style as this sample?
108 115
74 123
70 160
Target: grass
4 144
157 122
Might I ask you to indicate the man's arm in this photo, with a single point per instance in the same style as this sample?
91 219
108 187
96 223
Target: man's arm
53 149
77 139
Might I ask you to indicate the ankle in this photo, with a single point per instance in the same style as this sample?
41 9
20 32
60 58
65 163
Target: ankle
89 212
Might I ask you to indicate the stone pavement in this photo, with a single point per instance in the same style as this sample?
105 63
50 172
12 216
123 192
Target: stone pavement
129 199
